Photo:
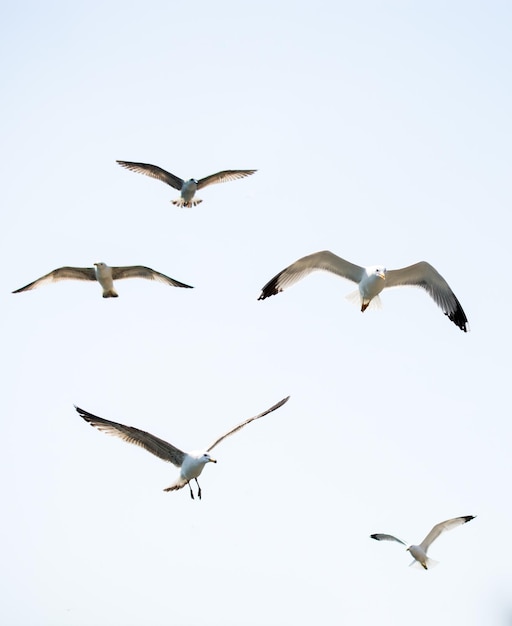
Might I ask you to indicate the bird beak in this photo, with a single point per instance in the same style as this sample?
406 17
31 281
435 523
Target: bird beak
213 460
381 275
96 264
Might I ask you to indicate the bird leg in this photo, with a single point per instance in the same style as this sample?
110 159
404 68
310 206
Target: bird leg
191 494
198 489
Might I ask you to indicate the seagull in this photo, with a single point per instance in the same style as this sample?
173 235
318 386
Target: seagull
188 188
191 464
371 281
105 275
420 552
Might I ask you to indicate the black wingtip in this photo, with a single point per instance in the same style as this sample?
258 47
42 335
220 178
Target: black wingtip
458 317
270 289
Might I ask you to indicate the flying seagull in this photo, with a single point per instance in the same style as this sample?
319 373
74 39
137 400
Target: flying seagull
191 464
104 274
371 281
420 552
187 188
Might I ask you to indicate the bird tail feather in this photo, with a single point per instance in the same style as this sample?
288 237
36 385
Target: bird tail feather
177 485
186 204
430 563
110 293
355 298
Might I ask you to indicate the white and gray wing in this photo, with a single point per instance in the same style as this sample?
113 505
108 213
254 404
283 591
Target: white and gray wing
424 275
155 172
149 442
62 273
140 271
441 527
248 421
223 177
384 537
324 260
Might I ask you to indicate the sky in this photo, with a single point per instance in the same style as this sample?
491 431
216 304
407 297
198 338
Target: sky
380 131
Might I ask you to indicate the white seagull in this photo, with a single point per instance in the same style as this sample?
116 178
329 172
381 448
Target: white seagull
191 464
420 552
189 187
105 275
371 281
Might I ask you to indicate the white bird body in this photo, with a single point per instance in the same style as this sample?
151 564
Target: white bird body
371 284
420 557
371 281
191 464
105 275
188 191
187 188
419 552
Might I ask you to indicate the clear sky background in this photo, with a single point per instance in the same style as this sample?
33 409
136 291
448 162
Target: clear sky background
381 131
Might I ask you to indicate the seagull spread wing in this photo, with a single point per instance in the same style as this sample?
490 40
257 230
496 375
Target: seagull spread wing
383 537
155 172
139 271
248 421
424 275
62 273
156 446
318 261
223 177
441 527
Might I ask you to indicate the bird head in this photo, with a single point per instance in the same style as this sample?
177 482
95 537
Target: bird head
206 458
381 272
100 264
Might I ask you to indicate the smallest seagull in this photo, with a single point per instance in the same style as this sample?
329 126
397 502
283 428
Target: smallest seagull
419 552
191 464
105 275
189 187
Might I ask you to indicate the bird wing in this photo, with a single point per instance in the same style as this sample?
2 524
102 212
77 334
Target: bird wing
139 271
424 275
155 172
383 537
441 527
324 260
248 421
74 273
149 442
223 177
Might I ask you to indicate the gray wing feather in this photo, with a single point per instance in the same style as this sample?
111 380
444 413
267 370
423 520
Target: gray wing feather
140 271
441 527
223 177
324 260
62 273
149 442
155 172
424 275
248 421
383 537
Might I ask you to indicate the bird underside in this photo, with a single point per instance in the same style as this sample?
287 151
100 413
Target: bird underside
179 484
186 204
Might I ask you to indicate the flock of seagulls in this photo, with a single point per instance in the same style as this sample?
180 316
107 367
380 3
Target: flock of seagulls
370 281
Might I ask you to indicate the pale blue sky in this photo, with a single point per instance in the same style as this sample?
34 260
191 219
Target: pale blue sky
380 131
